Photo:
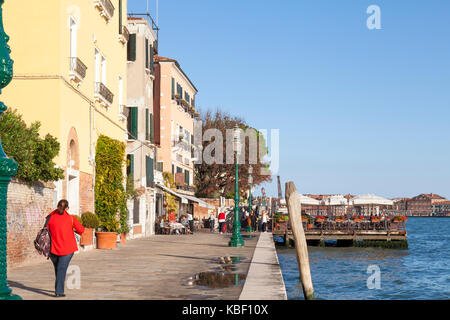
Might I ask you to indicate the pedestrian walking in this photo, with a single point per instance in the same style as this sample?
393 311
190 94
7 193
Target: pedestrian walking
61 225
191 222
264 221
212 222
221 221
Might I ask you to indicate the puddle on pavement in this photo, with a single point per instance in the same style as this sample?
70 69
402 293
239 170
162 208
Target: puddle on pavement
217 280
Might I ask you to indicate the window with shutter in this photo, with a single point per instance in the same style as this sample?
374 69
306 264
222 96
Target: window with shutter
186 177
149 171
147 135
152 68
173 88
131 48
133 123
130 165
147 65
152 129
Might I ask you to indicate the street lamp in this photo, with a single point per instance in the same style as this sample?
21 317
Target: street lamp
8 167
236 240
250 182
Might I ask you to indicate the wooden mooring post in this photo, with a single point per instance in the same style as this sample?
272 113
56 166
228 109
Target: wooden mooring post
295 220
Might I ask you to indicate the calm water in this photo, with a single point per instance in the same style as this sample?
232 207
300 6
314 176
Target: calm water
421 272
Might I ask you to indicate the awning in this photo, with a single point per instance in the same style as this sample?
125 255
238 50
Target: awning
201 203
182 197
370 199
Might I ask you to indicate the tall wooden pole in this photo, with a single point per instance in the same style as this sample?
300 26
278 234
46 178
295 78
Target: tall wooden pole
295 219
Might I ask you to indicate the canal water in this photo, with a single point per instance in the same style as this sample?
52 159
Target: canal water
421 272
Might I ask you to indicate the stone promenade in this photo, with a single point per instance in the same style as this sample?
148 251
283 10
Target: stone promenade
158 267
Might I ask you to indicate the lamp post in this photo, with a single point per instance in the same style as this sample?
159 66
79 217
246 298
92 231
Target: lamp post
250 182
8 167
236 240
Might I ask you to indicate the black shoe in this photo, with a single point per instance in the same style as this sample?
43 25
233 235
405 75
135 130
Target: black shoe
60 295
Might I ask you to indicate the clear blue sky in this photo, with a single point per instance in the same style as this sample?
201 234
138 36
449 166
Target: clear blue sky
360 111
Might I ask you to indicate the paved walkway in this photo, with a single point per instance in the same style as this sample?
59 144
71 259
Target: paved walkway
264 280
159 267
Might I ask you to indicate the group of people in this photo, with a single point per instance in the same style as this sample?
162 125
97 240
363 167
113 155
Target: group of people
165 225
252 222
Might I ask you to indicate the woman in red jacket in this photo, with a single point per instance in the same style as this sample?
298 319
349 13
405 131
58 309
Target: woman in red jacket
61 226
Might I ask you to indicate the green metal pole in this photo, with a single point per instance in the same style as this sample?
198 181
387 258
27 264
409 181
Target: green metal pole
249 228
236 239
8 167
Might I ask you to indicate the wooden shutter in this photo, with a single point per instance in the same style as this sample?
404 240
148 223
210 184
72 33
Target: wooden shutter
186 177
131 48
130 165
133 123
151 60
147 135
146 54
149 171
173 88
120 16
152 129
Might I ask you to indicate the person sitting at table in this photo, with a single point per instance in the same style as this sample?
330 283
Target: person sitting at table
162 225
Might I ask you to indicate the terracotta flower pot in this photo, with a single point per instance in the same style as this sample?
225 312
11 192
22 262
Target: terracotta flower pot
123 238
309 226
106 240
87 238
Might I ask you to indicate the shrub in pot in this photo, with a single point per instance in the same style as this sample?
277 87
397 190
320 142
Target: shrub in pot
90 223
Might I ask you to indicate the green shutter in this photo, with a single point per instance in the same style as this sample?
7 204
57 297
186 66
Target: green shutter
120 16
149 171
186 177
131 48
130 165
173 88
147 135
146 54
151 60
152 128
134 122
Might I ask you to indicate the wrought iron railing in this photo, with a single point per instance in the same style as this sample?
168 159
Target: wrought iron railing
125 33
76 65
104 92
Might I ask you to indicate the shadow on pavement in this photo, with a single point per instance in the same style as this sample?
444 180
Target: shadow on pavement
18 285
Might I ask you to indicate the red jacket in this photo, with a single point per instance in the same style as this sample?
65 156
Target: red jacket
221 217
61 229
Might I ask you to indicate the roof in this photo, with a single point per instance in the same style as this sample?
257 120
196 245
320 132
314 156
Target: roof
371 199
442 202
165 59
429 196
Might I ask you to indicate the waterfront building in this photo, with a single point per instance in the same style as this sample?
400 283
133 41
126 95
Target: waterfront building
175 95
422 205
139 112
70 74
441 208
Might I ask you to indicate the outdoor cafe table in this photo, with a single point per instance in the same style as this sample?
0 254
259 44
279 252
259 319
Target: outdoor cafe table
176 226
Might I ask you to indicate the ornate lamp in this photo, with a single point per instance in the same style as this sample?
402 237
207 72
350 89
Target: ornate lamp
236 239
8 167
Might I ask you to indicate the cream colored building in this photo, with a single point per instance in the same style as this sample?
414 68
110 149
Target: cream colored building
141 147
70 73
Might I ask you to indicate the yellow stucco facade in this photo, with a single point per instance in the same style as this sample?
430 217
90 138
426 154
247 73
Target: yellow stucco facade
70 71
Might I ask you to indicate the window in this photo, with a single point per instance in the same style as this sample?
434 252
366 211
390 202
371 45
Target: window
147 133
147 64
132 124
173 88
186 177
152 129
73 38
130 165
179 170
100 67
131 48
173 169
149 167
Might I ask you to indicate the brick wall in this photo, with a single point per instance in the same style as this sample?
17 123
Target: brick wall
86 193
27 209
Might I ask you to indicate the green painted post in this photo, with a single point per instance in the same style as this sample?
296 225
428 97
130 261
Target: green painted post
250 178
8 167
236 239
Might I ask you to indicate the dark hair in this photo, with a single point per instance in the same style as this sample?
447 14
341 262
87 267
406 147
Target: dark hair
63 203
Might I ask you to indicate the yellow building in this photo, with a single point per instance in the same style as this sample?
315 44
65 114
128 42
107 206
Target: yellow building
70 71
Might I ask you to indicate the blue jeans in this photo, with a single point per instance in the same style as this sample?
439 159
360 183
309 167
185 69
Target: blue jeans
60 263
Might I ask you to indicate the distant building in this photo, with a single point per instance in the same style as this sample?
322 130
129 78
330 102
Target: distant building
422 205
401 204
441 208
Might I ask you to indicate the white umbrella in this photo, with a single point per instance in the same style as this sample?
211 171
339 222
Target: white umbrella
369 199
338 200
308 200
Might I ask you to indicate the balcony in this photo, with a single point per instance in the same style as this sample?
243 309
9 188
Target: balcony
77 70
103 94
124 36
105 7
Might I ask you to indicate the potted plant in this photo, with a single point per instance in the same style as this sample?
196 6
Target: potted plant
375 219
90 223
358 218
340 218
398 219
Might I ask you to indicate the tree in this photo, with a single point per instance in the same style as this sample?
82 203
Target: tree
33 154
214 180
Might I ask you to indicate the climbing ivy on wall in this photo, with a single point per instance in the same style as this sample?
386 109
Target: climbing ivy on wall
110 195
